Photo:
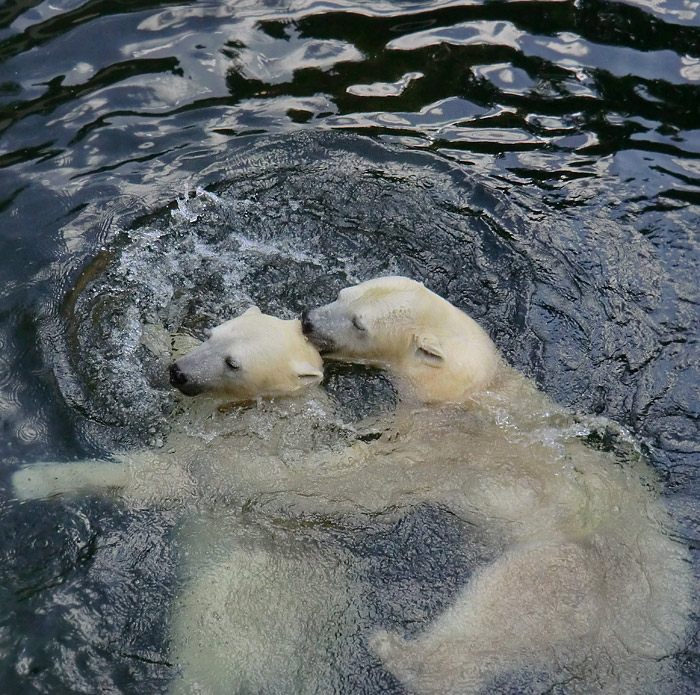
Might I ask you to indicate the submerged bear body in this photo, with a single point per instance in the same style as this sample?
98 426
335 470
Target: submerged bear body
586 588
589 585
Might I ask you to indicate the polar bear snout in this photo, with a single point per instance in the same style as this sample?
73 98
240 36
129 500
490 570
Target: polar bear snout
309 327
179 380
177 376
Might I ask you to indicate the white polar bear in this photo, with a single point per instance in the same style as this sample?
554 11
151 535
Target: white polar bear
245 359
247 583
589 587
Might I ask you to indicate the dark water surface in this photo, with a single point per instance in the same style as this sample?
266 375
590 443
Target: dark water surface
537 163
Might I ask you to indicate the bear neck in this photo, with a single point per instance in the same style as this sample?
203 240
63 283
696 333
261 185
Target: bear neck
504 389
446 388
470 363
458 381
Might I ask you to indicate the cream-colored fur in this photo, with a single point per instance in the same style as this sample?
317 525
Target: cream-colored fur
589 586
261 604
436 352
249 357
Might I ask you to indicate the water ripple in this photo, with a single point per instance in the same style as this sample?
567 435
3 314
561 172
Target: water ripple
537 162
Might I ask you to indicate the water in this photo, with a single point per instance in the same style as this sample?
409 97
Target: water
538 163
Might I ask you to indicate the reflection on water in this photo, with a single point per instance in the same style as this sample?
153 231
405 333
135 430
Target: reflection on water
535 162
577 81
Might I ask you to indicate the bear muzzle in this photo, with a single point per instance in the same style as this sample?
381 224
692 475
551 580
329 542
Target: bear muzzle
180 381
322 343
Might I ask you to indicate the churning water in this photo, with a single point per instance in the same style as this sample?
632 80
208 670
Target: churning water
537 163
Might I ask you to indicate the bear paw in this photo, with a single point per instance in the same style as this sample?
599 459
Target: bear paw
387 645
32 483
406 661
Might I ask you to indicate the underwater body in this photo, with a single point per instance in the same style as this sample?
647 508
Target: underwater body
535 163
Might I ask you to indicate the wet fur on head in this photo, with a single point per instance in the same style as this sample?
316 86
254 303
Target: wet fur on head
248 357
435 352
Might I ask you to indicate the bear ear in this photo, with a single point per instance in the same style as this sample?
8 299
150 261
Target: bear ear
428 350
252 311
307 372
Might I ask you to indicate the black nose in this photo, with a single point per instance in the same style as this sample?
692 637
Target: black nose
306 325
177 376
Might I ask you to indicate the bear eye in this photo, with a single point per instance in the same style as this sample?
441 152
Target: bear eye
358 324
232 364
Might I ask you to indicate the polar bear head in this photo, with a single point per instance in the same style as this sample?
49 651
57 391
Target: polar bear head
435 351
247 357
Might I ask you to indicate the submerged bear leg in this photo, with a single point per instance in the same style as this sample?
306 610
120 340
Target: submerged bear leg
531 607
257 612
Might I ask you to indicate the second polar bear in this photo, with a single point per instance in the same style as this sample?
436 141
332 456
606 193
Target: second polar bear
247 583
588 587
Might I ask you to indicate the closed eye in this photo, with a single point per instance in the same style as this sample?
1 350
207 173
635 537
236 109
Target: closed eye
232 364
358 324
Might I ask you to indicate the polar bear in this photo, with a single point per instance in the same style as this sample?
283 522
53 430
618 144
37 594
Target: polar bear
588 587
245 359
247 582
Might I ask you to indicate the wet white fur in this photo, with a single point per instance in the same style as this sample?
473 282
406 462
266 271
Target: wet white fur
246 584
589 585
